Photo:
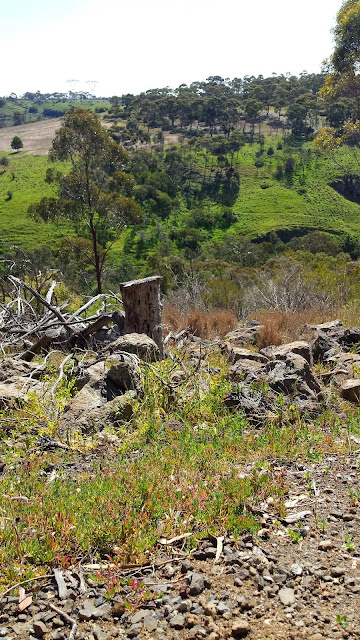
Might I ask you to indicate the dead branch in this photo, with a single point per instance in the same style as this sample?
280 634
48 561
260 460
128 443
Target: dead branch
49 294
38 297
19 584
61 374
66 617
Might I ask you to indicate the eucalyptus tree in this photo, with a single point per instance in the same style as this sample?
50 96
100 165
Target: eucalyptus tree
91 185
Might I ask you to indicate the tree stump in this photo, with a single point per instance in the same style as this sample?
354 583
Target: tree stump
142 306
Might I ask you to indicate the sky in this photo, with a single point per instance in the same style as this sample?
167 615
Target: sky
129 46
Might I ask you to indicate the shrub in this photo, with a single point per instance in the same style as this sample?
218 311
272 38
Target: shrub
290 165
279 172
16 143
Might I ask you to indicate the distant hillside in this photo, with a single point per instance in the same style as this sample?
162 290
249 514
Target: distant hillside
213 164
18 111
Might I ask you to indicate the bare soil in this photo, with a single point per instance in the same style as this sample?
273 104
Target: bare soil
36 136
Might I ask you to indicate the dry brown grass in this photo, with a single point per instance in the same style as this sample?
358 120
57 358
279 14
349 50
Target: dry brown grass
204 324
280 327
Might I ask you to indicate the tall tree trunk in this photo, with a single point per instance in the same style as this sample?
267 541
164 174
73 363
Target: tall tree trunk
96 256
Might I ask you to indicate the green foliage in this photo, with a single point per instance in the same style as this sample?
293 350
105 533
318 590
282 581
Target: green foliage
86 197
16 143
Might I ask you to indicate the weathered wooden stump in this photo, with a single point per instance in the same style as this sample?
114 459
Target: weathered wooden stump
142 306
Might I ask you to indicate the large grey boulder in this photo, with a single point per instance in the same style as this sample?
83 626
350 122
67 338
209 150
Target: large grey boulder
249 369
244 335
11 368
17 379
326 327
350 390
323 346
234 354
292 376
300 347
106 392
138 343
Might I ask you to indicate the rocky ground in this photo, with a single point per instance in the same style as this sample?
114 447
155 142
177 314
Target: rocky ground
299 578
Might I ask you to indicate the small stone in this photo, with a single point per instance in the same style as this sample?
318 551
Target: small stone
99 634
287 596
279 578
169 571
57 635
98 601
337 572
3 632
296 569
22 617
151 624
134 630
40 629
192 620
138 616
347 517
88 610
177 621
197 584
222 609
118 610
186 566
325 545
210 609
184 606
240 628
197 633
57 622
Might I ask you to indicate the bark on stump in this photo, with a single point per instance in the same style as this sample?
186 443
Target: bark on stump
142 306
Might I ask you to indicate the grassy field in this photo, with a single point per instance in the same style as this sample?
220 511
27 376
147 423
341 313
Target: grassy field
22 184
302 200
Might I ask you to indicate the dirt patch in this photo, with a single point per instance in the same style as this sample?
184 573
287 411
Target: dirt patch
36 136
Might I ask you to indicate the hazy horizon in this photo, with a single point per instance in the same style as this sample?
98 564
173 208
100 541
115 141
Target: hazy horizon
133 47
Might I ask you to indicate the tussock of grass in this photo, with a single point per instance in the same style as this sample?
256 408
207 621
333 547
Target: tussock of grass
204 324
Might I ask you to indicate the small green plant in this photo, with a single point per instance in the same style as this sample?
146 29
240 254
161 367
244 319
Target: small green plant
323 525
354 495
342 621
349 545
295 535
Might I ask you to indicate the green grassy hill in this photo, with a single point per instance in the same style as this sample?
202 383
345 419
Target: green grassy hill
301 200
21 184
269 199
